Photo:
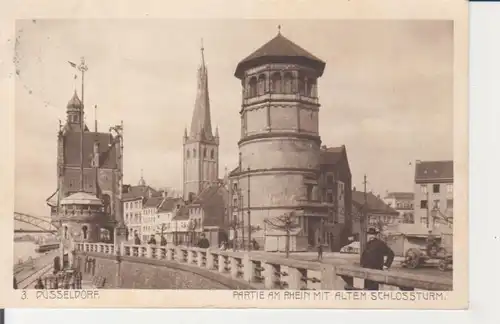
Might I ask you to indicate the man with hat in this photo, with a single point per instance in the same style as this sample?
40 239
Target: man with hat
373 256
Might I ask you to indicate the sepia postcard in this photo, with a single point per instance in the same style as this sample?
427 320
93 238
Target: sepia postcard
235 154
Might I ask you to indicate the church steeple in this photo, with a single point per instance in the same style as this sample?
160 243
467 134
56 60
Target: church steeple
201 124
74 113
201 147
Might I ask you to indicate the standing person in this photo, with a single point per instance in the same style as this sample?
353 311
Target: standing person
39 284
320 251
373 256
203 242
137 240
152 240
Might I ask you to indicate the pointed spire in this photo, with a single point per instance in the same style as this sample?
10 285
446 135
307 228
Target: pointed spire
142 182
217 131
279 29
201 124
185 132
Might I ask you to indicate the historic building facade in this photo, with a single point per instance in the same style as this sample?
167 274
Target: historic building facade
433 206
280 146
87 203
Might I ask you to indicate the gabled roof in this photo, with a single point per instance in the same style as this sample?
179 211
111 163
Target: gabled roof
170 204
136 192
433 170
153 202
400 195
374 204
279 50
332 155
107 151
182 214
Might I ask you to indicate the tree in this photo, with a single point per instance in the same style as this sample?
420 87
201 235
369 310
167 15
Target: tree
236 225
286 223
191 227
161 231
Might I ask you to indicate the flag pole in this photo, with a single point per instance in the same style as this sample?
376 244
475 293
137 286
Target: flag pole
82 68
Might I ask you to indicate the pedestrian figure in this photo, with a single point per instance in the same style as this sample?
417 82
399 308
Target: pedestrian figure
373 256
203 242
39 284
320 250
137 240
152 240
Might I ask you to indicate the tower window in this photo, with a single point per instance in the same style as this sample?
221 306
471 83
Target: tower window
261 85
194 153
187 154
205 152
252 87
288 83
212 154
276 82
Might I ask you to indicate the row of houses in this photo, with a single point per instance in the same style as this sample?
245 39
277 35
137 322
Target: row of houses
149 212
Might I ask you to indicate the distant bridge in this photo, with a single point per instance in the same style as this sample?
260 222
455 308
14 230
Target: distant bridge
42 224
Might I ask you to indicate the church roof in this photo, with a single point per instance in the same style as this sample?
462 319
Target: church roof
81 198
136 192
279 50
74 102
201 124
107 151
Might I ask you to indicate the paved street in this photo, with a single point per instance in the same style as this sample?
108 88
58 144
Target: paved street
341 258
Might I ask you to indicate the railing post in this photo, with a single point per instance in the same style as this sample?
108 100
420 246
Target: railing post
180 254
329 280
269 275
248 268
190 256
170 253
149 252
210 260
222 264
234 267
294 278
200 258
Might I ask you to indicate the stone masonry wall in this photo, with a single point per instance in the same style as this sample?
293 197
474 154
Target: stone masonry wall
149 274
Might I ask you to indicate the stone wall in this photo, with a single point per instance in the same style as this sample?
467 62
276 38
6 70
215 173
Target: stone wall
144 273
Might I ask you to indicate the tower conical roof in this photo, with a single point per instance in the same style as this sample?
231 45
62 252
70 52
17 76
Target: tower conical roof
279 50
201 124
74 102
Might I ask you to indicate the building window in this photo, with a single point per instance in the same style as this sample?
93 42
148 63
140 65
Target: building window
187 154
423 220
194 153
423 189
309 189
449 204
205 152
212 154
423 204
288 82
252 87
261 85
276 83
449 188
329 197
435 188
84 231
436 204
329 179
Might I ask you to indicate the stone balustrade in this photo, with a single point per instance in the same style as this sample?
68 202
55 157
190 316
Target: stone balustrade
269 271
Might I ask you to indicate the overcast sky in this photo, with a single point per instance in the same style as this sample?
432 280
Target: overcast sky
387 92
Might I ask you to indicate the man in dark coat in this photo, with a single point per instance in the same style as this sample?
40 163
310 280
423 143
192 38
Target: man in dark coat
373 256
203 242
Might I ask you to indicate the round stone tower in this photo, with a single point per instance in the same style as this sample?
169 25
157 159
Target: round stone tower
280 143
